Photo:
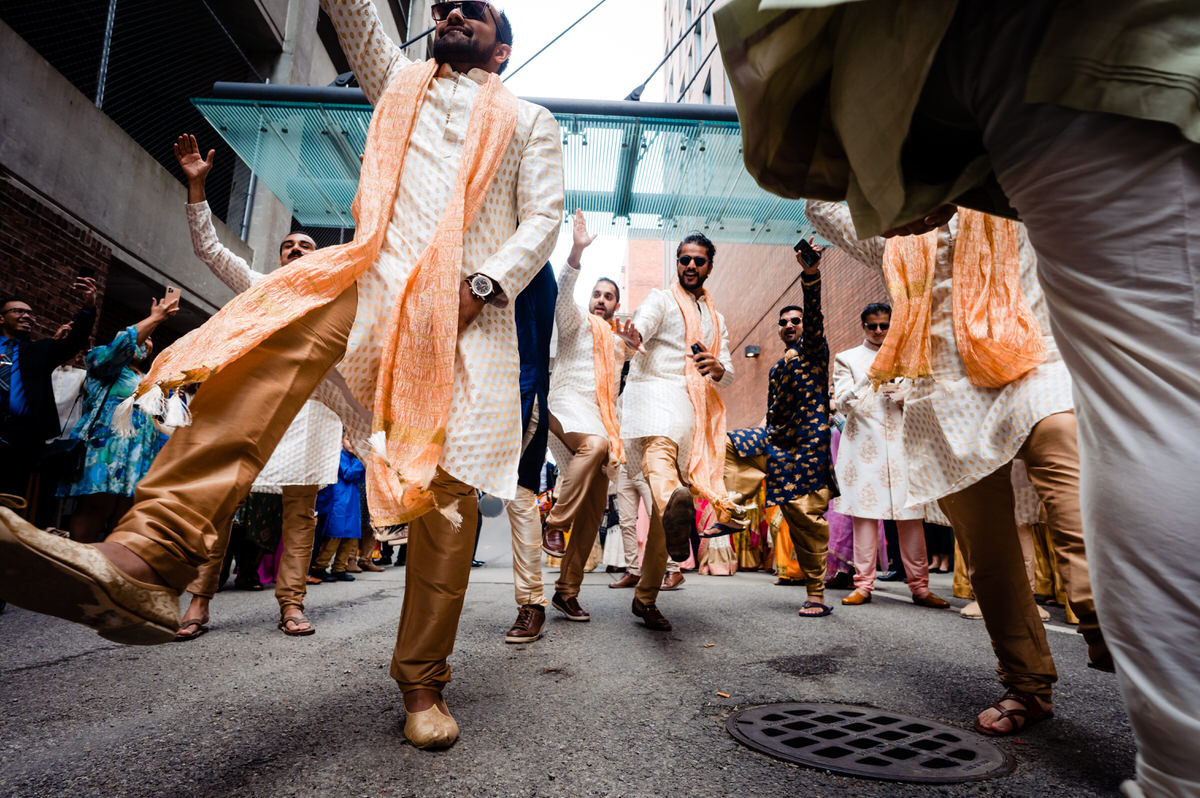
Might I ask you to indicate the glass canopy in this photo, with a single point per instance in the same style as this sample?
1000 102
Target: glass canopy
657 174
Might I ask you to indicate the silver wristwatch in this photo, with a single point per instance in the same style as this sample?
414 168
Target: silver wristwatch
482 287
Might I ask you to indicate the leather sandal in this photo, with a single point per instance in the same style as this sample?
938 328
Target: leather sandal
71 580
288 625
197 628
1021 718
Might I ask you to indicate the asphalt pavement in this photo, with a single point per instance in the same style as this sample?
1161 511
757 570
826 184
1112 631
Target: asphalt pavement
604 708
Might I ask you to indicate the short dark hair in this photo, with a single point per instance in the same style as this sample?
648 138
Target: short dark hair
873 308
701 240
504 35
791 308
613 283
4 300
300 231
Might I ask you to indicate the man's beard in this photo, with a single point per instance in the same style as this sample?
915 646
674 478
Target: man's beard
700 278
464 50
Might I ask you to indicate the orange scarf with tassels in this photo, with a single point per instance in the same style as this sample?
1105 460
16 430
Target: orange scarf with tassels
416 369
997 334
706 465
605 360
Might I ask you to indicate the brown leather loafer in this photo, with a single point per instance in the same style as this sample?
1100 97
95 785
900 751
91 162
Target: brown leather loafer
672 581
931 600
654 620
569 607
856 598
56 576
369 566
352 567
628 580
554 542
528 626
679 522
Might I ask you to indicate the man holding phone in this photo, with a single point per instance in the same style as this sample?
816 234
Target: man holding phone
791 453
671 409
28 414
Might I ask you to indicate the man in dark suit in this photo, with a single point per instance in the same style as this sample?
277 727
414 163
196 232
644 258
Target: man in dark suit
28 415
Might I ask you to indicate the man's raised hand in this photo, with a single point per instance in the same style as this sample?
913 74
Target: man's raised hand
629 334
195 167
582 239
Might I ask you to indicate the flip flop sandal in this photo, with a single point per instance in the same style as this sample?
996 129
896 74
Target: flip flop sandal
720 530
809 605
182 635
294 621
1030 712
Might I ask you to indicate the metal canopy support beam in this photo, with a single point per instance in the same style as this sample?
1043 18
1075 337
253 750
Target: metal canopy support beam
631 149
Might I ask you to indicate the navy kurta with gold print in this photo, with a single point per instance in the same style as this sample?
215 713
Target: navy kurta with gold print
796 439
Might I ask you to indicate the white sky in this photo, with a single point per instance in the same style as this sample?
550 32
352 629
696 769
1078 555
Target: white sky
602 58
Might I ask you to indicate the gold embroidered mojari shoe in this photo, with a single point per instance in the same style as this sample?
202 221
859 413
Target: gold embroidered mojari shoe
430 728
55 576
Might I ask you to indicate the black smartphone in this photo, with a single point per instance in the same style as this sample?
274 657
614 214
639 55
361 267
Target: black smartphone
87 271
697 349
809 255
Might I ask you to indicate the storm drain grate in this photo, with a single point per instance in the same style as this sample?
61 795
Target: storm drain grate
861 741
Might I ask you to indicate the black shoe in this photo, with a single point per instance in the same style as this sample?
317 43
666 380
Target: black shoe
322 574
654 620
679 524
341 576
842 580
477 563
892 576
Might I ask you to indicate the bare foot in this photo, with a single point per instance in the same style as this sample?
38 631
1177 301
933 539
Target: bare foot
422 699
133 565
990 718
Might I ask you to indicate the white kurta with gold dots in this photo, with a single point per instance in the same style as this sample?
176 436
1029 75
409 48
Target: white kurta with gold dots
509 240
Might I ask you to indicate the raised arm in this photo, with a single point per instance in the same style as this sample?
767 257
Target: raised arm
372 55
832 220
567 314
228 267
815 346
540 198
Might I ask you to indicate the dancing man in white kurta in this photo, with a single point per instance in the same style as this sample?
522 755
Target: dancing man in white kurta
871 468
447 142
960 439
583 391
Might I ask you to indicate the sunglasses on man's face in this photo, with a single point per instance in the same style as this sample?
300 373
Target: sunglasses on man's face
792 321
883 325
686 260
470 9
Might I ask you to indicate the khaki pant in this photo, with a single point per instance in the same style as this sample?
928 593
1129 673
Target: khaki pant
659 466
582 498
337 551
239 416
986 530
299 527
525 521
805 515
631 491
436 571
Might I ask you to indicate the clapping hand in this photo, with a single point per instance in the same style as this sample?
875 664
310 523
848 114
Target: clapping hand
629 334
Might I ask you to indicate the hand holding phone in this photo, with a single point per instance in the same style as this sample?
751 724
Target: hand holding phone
810 256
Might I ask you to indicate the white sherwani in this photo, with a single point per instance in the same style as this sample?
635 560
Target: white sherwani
871 468
956 433
509 241
310 450
655 402
573 381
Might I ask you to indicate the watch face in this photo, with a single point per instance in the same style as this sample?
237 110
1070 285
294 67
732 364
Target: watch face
481 286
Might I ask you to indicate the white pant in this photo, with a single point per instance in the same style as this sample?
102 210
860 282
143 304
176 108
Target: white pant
1112 205
526 523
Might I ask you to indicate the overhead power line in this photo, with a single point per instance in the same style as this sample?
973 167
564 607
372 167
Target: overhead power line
636 94
555 39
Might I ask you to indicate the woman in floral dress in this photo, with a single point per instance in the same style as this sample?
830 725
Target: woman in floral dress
113 465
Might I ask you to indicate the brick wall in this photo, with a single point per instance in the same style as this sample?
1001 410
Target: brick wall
750 283
41 252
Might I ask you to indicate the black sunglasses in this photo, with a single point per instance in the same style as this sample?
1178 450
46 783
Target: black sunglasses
470 9
686 260
883 325
792 321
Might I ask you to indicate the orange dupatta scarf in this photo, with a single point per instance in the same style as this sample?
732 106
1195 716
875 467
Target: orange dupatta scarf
997 334
706 465
605 360
411 407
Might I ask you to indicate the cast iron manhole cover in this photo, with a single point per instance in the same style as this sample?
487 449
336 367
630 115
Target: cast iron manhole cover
866 742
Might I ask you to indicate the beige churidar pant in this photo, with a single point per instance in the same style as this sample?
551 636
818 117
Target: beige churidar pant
805 515
582 498
659 456
526 522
